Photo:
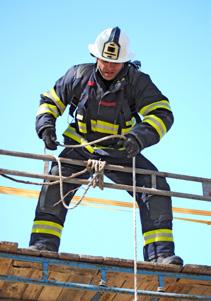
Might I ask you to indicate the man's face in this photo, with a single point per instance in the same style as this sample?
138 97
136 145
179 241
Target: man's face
109 70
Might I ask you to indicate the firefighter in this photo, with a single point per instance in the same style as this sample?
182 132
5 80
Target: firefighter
111 96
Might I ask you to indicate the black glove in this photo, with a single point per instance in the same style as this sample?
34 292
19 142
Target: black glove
131 146
49 138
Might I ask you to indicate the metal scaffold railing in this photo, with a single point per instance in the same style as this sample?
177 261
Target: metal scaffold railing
153 174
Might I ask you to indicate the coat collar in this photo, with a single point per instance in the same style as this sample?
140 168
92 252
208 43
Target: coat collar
116 83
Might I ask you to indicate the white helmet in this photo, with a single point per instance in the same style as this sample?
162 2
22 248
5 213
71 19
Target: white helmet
111 45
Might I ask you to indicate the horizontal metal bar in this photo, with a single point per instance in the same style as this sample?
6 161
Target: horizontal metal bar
105 267
90 287
45 157
107 185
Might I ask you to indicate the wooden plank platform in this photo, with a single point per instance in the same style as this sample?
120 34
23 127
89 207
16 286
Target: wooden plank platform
48 276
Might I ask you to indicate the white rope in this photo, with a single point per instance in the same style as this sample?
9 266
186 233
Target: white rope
86 143
61 188
134 228
46 163
97 179
60 181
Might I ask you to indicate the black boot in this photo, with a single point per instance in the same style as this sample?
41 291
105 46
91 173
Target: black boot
44 242
169 260
39 247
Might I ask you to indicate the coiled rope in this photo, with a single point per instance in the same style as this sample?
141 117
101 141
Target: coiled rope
96 170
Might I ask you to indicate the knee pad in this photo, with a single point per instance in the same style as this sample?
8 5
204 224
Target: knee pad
50 196
155 212
159 208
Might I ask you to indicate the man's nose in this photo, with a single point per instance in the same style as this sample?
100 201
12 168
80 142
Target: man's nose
111 65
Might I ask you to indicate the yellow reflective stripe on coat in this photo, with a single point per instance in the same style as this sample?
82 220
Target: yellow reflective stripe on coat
71 133
104 127
47 227
162 104
158 235
157 124
47 108
55 98
82 127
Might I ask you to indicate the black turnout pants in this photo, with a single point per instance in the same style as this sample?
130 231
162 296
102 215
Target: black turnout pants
155 211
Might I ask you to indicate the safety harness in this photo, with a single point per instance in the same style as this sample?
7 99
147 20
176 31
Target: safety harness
83 76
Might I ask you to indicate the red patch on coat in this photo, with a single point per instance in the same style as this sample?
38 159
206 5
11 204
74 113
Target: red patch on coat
108 103
91 83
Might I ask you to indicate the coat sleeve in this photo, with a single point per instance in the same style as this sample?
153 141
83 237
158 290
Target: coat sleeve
154 107
53 102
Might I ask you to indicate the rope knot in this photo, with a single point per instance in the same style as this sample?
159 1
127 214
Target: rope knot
96 169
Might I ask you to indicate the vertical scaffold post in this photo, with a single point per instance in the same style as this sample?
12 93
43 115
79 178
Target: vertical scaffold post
45 271
103 281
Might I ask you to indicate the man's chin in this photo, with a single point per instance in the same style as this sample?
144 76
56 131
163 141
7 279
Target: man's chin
108 77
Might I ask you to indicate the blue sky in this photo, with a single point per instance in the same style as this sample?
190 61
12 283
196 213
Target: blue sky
40 40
